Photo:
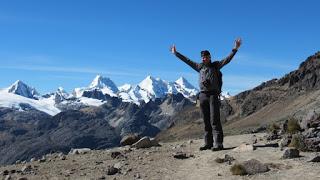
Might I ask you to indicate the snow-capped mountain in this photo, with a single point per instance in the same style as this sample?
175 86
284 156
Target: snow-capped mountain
151 88
103 84
61 95
100 90
225 95
125 88
20 88
106 85
185 88
20 102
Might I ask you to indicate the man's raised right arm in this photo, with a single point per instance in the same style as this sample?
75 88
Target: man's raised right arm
188 61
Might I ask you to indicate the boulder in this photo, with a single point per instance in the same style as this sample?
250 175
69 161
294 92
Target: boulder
129 140
312 144
180 155
80 151
244 148
312 119
290 153
315 158
285 141
254 166
145 142
112 170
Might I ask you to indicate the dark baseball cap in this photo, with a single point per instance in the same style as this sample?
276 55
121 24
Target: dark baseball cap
205 53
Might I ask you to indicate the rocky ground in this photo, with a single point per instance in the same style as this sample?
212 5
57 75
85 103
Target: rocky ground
174 160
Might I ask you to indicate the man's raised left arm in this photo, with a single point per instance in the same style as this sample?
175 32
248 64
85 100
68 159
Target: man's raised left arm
226 60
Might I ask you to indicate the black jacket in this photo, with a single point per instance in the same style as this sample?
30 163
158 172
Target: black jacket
208 74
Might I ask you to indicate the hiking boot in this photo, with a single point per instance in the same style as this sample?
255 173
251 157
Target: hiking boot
217 148
205 147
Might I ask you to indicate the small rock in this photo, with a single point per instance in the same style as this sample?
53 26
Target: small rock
137 175
112 170
8 177
310 133
260 129
129 140
18 162
23 178
33 159
315 158
98 162
182 145
43 159
180 155
244 148
26 168
102 178
228 158
116 154
5 172
118 165
254 166
13 171
80 151
63 157
219 160
219 174
190 142
290 153
254 139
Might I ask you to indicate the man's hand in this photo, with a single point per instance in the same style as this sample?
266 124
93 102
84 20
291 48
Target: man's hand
173 49
237 43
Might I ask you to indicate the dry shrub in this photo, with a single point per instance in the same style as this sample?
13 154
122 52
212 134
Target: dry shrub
293 126
297 142
272 128
238 169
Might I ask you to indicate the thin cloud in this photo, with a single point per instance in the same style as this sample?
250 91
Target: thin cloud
68 70
263 62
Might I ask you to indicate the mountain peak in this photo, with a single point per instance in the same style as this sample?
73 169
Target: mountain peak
101 82
22 89
125 87
154 87
184 83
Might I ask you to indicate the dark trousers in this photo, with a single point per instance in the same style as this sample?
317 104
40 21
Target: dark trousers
210 109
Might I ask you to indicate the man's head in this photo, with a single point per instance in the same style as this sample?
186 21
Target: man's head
205 56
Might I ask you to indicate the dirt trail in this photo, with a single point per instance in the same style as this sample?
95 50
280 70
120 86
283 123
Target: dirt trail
204 167
158 163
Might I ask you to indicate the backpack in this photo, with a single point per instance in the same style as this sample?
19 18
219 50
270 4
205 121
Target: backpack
215 65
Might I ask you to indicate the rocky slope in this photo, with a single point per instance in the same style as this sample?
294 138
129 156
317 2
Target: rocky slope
32 133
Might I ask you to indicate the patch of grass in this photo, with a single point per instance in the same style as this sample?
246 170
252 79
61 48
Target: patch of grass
274 127
293 126
238 169
297 142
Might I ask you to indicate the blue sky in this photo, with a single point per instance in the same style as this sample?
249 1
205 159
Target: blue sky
66 43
